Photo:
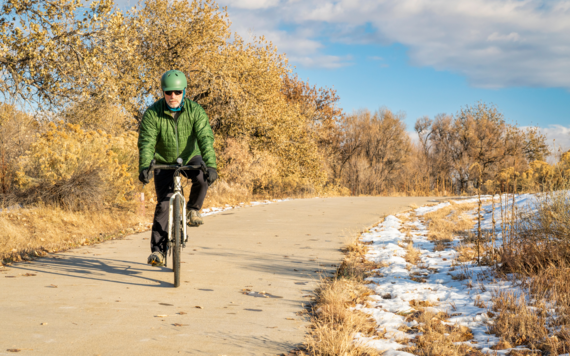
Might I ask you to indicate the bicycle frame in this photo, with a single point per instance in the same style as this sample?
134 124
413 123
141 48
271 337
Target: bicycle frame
177 192
177 239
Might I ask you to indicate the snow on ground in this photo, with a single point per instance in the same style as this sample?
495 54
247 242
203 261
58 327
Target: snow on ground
465 300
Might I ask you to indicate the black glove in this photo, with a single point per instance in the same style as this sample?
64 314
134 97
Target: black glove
212 175
144 176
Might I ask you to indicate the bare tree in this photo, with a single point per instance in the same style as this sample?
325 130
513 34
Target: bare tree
476 135
374 148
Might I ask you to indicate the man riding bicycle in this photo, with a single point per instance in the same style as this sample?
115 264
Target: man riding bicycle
175 127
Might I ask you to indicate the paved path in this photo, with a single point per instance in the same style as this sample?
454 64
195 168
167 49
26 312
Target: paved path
105 300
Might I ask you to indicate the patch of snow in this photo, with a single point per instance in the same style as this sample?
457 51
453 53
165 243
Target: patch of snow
466 301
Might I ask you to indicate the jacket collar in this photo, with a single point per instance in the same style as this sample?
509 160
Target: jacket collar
168 112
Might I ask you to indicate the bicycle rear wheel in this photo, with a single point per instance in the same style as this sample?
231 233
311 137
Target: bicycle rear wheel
176 247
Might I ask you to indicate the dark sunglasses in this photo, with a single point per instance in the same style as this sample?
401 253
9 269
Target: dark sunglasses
170 92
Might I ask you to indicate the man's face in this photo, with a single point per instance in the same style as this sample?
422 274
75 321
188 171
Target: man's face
173 98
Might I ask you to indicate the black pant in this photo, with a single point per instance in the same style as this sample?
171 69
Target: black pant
164 186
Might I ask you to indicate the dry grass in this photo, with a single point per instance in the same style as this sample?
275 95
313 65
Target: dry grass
29 233
466 253
355 266
518 324
333 324
447 222
553 285
538 250
84 190
436 337
536 253
440 245
413 255
542 237
222 193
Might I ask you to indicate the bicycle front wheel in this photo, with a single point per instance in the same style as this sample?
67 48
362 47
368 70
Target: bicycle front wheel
176 248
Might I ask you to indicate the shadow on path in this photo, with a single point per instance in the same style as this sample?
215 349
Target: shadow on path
95 269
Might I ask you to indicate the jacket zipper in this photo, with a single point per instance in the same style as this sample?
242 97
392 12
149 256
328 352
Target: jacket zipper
177 145
176 134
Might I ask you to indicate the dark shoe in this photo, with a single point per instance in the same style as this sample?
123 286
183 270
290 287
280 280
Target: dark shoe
193 218
156 259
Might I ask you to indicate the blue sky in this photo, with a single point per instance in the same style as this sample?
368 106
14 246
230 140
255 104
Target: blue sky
383 76
427 57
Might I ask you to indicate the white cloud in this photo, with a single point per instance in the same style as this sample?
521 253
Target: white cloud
495 43
497 37
557 139
254 4
557 136
328 62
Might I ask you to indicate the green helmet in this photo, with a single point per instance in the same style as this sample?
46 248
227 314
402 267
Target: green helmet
173 80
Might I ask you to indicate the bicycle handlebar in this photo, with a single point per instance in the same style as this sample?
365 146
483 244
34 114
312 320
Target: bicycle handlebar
175 166
202 167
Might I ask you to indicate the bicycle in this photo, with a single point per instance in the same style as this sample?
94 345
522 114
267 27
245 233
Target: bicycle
177 221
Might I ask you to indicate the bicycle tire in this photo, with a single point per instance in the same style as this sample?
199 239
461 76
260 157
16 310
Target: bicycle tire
176 248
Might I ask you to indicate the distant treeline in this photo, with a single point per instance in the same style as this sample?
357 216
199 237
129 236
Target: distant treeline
454 154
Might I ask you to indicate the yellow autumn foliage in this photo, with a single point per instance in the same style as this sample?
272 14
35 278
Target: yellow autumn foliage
65 151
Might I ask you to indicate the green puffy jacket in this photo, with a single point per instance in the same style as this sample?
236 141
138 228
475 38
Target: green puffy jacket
163 138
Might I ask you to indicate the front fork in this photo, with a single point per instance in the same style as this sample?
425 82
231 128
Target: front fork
177 192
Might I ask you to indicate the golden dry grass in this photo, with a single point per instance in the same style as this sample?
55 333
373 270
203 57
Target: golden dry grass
333 324
222 193
355 266
413 255
447 222
466 253
518 324
537 255
435 336
29 233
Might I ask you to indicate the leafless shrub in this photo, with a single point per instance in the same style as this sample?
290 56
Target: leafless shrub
542 236
84 190
539 252
477 134
373 151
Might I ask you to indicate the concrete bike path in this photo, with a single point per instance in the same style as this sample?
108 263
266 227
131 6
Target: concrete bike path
105 300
